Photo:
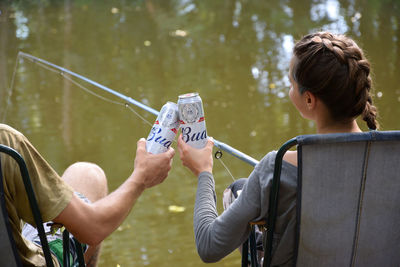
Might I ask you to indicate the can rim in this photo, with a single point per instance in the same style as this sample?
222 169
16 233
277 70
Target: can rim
188 95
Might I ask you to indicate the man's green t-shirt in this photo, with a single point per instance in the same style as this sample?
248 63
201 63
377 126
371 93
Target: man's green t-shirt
52 193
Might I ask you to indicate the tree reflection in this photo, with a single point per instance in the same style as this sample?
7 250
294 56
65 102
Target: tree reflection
224 49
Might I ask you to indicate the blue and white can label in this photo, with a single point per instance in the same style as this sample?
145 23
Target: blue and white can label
164 130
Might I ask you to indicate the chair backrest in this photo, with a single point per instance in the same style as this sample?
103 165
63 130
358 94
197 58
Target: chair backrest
10 254
33 203
8 250
349 200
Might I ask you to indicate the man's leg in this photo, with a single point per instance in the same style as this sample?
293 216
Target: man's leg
89 180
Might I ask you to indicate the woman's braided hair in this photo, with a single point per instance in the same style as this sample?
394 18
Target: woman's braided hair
334 69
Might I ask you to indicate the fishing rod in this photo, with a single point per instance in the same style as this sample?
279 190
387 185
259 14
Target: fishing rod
234 152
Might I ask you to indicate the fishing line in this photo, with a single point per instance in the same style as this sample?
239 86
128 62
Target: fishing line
44 66
137 114
104 98
90 91
68 78
127 100
226 168
11 89
218 156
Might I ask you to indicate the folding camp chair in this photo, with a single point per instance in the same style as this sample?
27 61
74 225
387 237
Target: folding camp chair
8 251
348 200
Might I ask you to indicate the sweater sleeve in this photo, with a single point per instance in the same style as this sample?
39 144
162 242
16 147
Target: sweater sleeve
217 236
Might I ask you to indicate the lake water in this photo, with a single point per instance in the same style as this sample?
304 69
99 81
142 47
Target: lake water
234 53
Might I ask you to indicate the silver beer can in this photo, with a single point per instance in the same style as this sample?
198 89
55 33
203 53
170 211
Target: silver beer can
164 129
191 120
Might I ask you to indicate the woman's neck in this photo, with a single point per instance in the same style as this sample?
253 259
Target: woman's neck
338 127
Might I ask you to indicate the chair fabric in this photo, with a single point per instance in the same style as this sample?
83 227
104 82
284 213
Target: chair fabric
349 200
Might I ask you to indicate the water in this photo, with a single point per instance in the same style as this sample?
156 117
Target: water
234 53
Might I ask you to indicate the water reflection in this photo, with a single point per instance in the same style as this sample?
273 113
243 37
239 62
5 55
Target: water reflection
234 53
22 31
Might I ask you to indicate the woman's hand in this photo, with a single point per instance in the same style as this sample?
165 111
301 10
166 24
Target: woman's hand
197 160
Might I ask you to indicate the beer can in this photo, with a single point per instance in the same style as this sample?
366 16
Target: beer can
164 130
191 120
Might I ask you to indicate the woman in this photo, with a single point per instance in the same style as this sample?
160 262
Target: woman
330 84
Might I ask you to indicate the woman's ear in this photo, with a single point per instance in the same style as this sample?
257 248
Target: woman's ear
310 100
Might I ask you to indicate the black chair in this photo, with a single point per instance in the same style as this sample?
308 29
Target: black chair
8 251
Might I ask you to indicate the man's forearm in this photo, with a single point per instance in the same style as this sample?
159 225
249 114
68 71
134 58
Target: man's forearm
112 210
92 223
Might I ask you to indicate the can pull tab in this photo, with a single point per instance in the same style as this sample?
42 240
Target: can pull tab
218 154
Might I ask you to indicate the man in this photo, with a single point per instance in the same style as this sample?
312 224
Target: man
78 200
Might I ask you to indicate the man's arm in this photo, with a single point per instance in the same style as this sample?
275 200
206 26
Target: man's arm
92 223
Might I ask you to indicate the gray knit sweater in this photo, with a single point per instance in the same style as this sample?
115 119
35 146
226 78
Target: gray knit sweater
217 236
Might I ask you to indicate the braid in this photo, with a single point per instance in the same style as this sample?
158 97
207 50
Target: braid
369 115
340 75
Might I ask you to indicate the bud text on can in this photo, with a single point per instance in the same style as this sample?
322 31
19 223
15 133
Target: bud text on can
192 121
164 130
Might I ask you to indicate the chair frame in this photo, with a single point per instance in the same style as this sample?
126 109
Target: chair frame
37 215
7 223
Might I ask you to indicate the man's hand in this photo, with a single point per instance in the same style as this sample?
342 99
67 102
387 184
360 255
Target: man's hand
197 160
91 223
151 169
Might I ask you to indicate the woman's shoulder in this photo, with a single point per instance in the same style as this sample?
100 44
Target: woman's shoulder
269 158
291 157
267 163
